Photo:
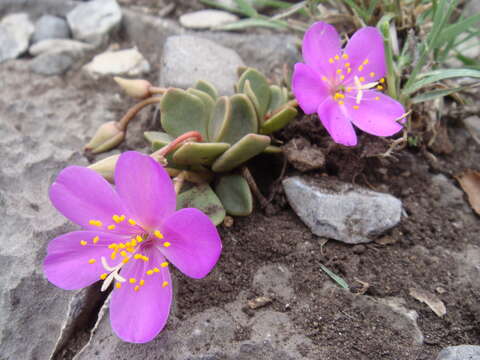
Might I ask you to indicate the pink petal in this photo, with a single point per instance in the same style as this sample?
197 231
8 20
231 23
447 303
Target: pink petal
321 43
145 188
335 119
309 89
366 44
376 117
67 262
195 243
81 195
138 316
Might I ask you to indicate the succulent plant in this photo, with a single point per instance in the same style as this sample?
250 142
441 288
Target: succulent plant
234 128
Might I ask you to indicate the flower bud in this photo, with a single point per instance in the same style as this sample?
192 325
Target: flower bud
136 88
107 137
106 167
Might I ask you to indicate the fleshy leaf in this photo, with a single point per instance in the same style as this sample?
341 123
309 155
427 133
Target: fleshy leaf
221 116
203 198
277 98
272 149
235 195
241 70
278 120
246 148
207 101
247 89
208 88
193 153
243 120
260 87
182 112
157 139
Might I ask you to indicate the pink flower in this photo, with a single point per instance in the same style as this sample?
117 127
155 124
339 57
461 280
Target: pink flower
131 234
340 85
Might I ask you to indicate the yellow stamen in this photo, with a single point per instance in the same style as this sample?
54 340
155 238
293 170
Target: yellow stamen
111 227
116 218
156 270
337 57
92 261
125 260
164 264
123 253
347 65
342 77
365 62
339 71
349 89
361 78
360 68
382 80
330 61
95 222
136 288
137 256
132 280
166 244
377 98
165 284
112 246
130 250
121 246
145 258
95 239
324 78
372 74
158 234
103 276
83 242
356 107
113 256
142 282
133 243
341 102
349 70
379 87
132 222
139 238
118 285
345 56
149 272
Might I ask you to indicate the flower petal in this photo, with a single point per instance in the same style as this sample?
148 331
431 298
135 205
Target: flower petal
82 195
366 54
335 119
376 114
67 262
195 243
138 316
321 43
145 188
309 89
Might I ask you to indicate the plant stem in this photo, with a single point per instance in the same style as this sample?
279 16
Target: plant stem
123 123
178 182
157 90
188 136
253 187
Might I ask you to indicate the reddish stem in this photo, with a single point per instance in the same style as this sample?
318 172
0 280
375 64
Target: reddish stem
123 123
190 135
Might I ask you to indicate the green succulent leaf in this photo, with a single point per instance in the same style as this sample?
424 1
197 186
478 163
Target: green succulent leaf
278 120
260 88
182 112
157 139
221 116
203 198
235 195
241 70
277 98
247 89
193 153
242 120
246 148
208 88
207 101
272 149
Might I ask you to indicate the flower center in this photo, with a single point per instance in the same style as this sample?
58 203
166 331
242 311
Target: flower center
131 250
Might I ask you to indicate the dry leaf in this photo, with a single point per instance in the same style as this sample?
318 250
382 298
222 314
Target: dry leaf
470 183
430 299
259 302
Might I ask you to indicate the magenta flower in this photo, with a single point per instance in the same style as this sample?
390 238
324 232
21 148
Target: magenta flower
131 234
342 86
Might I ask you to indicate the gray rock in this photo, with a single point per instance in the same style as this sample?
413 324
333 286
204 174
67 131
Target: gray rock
187 59
36 143
15 33
127 62
342 211
473 125
73 47
36 8
93 21
303 156
52 63
460 352
205 19
274 279
50 27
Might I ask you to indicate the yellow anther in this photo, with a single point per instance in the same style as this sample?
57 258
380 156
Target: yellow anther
341 102
92 261
128 244
339 71
132 280
345 56
133 243
164 264
330 61
112 246
365 62
122 218
361 78
382 80
379 87
158 234
130 250
142 282
113 256
342 77
116 218
83 242
166 244
121 246
337 57
123 253
349 70
118 285
132 222
111 227
347 65
136 288
377 98
360 68
95 239
356 107
137 256
139 238
95 222
149 272
349 89
125 260
324 78
372 74
103 276
156 270
165 283
145 258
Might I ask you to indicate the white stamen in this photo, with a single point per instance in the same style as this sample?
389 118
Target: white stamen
105 264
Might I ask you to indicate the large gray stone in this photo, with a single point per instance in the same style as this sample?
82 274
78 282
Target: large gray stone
73 47
187 59
50 27
43 125
342 211
36 8
93 21
52 63
460 352
15 33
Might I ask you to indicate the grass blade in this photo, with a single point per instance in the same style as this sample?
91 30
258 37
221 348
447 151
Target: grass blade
437 75
246 23
342 283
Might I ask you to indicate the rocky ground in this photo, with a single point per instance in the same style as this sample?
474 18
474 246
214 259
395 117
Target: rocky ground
398 231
